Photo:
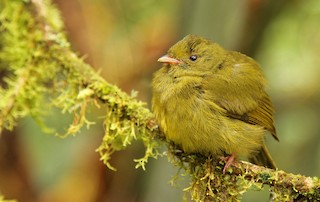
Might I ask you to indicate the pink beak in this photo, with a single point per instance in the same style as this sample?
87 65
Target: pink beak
168 59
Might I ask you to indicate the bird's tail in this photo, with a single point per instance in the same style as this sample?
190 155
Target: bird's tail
263 158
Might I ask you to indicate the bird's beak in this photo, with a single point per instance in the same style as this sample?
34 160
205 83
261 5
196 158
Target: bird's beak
169 60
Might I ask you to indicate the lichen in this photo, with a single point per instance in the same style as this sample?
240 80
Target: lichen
42 71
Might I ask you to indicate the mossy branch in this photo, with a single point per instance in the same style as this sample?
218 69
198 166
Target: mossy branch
210 184
37 63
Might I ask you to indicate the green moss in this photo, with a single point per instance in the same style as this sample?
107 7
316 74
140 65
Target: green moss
40 66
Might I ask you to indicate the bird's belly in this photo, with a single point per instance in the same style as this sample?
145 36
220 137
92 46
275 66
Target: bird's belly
193 125
198 128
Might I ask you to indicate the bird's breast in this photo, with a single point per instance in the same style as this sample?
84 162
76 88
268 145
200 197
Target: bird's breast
185 116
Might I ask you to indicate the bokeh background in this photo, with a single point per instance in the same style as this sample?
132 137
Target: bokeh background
123 39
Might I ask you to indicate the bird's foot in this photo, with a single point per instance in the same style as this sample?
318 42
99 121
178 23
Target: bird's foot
229 160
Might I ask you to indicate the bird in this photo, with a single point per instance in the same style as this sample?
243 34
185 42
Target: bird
213 101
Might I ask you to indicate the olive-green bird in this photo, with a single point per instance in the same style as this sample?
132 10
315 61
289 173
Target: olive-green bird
213 101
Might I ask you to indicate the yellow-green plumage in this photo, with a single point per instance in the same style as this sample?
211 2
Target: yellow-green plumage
213 101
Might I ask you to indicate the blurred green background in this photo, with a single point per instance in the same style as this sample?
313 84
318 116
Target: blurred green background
123 39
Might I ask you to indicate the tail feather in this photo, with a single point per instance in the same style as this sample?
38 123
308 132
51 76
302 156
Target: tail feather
263 158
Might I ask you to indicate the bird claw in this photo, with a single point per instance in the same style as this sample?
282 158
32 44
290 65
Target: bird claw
229 160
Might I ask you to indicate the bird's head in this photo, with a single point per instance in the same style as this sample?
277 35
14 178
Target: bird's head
194 53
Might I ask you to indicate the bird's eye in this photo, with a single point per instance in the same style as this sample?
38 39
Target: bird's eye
193 57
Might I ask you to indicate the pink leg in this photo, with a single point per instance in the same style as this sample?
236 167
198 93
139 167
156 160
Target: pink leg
229 160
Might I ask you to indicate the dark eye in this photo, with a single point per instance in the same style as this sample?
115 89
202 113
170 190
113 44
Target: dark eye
193 57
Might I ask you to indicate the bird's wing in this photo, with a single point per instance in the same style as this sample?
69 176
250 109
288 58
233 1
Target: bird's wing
262 115
239 88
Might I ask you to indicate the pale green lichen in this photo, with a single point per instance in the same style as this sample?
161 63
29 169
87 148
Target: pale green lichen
41 71
124 124
208 183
